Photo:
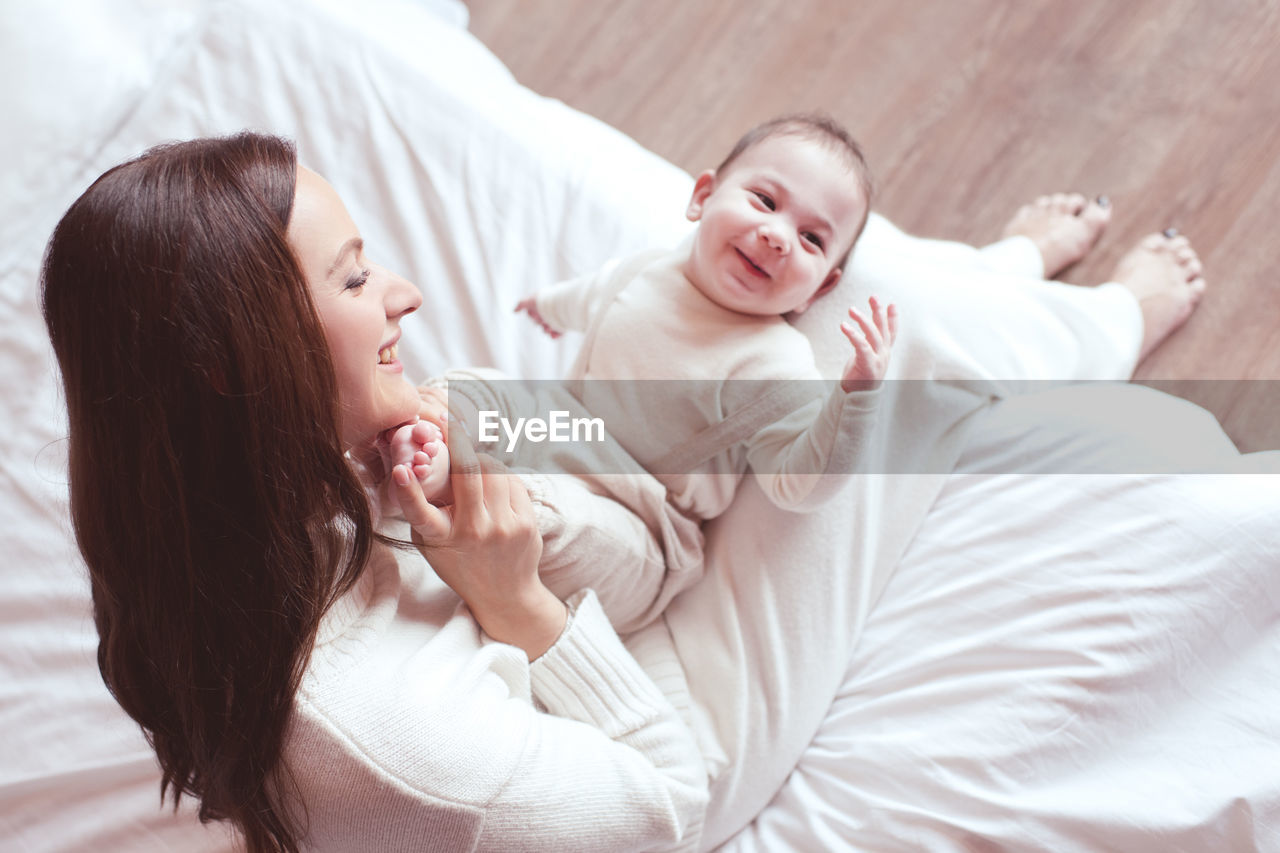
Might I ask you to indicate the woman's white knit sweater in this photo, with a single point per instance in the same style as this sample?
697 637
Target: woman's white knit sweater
413 730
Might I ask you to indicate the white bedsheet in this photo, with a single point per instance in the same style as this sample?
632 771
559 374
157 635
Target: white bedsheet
1113 688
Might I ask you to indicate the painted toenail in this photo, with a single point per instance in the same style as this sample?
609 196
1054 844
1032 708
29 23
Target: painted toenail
1103 201
1170 232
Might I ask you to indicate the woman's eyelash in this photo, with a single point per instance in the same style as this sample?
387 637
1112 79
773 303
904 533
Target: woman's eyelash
358 281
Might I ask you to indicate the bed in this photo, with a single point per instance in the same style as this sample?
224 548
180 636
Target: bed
1113 688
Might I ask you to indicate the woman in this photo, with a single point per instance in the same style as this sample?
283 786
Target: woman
226 349
223 340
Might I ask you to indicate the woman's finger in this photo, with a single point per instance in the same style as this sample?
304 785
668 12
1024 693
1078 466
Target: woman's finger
497 488
466 475
430 523
521 502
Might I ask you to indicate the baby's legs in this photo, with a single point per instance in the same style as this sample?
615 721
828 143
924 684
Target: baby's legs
605 522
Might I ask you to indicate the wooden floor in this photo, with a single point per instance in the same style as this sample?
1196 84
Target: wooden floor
967 109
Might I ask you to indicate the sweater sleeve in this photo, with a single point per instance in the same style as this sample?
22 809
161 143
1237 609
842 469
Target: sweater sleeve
610 765
568 306
461 743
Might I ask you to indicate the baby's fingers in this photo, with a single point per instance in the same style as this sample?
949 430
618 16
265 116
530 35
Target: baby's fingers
886 319
857 338
870 334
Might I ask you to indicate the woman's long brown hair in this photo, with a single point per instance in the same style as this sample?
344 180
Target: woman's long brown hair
209 492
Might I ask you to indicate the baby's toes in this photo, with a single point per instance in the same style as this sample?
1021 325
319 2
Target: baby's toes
424 431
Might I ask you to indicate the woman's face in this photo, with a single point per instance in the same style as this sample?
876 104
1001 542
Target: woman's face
360 306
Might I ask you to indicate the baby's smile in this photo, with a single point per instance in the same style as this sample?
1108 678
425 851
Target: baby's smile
751 265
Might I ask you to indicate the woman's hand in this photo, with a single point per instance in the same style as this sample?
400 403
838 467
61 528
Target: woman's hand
486 547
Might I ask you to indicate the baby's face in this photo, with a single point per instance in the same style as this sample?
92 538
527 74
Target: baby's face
773 226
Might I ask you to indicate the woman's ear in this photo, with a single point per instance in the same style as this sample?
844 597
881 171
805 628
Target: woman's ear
828 284
702 189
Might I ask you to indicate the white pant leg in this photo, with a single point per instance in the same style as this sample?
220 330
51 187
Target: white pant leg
1062 661
765 636
962 318
1016 256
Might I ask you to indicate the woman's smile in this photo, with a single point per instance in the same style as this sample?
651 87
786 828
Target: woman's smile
387 356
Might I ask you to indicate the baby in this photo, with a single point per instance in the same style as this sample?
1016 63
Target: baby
777 221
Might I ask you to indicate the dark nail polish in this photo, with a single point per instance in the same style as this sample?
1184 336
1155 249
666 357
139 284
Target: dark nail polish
1171 232
1103 201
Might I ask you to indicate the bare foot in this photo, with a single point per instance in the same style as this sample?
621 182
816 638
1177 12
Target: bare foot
1063 226
1164 272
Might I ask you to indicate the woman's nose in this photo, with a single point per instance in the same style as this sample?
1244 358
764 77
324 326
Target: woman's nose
403 297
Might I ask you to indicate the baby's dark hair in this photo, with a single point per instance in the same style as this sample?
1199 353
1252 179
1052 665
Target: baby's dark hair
823 129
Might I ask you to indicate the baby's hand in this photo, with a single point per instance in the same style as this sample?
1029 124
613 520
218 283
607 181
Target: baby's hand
419 445
872 340
529 305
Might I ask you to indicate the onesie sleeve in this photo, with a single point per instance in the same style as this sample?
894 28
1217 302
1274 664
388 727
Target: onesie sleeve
805 457
802 460
568 306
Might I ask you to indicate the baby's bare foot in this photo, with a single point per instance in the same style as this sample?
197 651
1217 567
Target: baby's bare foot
1064 227
1164 272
